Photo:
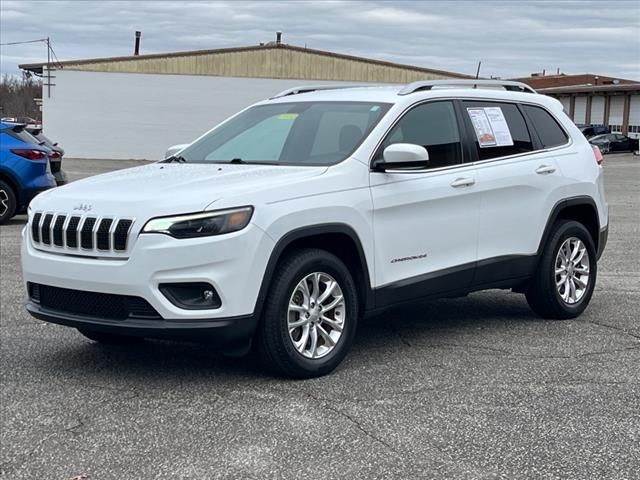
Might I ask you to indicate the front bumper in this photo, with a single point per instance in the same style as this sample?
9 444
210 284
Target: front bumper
233 264
219 330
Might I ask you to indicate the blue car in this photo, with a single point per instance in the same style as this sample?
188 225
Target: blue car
24 169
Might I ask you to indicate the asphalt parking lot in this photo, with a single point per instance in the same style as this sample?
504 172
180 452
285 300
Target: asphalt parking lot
475 387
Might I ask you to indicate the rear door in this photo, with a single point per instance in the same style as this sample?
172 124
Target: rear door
518 183
425 222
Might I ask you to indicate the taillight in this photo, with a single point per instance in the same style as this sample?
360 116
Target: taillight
597 154
55 156
30 154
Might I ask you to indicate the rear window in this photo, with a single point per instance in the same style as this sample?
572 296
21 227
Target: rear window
21 135
547 127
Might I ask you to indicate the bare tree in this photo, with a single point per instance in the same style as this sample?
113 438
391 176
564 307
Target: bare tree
17 96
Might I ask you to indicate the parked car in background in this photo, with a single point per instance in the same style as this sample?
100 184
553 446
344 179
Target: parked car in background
24 169
32 122
57 152
614 142
593 130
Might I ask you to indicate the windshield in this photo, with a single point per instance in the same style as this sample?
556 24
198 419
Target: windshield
43 138
303 133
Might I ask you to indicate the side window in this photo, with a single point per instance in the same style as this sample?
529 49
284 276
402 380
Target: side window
492 137
432 125
547 128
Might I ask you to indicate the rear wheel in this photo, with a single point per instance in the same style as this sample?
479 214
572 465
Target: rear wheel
8 203
310 315
110 338
563 283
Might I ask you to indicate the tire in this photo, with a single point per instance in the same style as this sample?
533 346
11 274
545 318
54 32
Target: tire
8 202
109 338
277 331
553 300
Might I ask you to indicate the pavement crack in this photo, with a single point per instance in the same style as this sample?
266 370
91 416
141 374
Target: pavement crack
604 352
612 327
74 428
325 404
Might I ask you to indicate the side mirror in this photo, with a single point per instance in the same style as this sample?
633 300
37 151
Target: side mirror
401 156
172 150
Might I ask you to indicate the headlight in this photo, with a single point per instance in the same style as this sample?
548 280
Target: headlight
201 224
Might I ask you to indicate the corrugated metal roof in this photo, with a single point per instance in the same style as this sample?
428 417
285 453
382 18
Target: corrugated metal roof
271 60
620 87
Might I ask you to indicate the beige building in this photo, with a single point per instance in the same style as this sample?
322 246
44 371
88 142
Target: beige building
136 106
274 60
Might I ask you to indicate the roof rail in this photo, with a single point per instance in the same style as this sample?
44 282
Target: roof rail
312 88
429 84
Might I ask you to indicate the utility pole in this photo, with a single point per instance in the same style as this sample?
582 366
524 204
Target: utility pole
48 68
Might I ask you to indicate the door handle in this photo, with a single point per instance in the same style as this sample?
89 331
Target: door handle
545 169
463 182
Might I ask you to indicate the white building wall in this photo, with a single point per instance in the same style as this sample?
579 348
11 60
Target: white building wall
137 116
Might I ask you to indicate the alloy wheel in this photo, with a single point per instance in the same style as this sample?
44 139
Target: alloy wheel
4 202
572 272
316 315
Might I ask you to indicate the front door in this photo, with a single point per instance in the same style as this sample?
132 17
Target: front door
425 222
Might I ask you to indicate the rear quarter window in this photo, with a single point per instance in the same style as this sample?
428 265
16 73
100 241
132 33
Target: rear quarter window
549 131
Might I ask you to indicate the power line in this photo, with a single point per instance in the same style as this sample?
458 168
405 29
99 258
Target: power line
21 43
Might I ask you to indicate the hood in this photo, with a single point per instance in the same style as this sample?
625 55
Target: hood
168 188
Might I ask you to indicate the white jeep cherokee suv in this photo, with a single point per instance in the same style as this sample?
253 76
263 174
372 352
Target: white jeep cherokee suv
293 219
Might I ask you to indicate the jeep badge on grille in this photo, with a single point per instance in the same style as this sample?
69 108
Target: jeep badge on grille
85 207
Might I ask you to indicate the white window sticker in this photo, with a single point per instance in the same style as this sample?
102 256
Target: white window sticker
481 125
490 126
499 126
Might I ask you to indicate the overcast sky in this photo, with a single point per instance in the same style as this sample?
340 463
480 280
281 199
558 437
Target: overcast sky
511 38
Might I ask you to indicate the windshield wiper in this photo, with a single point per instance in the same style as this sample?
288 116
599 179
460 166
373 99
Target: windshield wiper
174 158
239 161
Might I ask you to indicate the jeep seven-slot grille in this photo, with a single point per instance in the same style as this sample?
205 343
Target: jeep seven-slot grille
75 232
91 304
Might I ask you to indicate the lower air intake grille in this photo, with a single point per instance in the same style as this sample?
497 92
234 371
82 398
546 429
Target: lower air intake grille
92 304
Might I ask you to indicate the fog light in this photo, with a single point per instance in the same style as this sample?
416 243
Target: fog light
191 296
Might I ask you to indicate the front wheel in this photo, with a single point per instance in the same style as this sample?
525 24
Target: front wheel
563 283
310 315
